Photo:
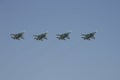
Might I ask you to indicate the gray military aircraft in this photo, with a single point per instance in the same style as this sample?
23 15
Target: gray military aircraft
63 36
17 36
88 36
41 36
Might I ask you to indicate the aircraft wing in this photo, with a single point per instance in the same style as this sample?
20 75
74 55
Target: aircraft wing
12 34
35 35
83 34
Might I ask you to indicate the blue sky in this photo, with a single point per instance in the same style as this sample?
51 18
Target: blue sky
73 59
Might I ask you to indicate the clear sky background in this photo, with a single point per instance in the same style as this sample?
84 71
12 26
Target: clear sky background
52 59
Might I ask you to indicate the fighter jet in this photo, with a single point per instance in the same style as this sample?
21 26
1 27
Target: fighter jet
41 36
17 36
63 36
88 36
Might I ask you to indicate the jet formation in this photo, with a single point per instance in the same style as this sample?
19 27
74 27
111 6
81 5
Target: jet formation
43 36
